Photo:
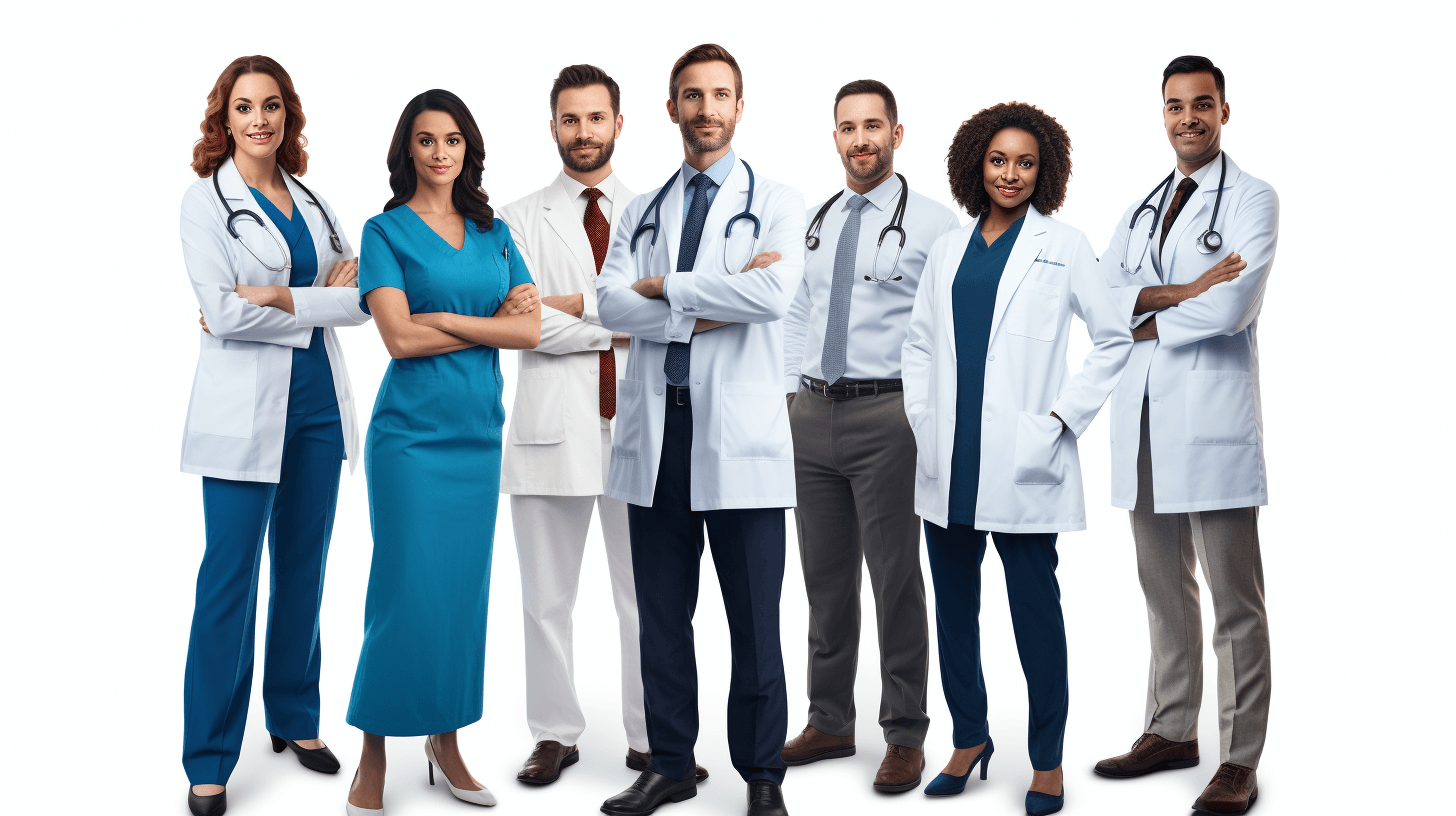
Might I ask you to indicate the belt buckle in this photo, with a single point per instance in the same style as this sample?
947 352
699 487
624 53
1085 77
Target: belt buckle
677 394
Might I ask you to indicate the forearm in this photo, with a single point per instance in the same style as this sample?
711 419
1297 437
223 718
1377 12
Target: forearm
1158 298
623 310
231 317
333 306
521 331
410 339
561 333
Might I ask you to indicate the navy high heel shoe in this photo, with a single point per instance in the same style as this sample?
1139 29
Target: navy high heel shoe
1040 804
948 785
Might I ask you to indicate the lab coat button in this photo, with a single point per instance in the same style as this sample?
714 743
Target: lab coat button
1157 399
658 389
591 371
992 358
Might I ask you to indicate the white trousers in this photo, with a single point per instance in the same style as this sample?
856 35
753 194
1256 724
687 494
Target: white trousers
551 536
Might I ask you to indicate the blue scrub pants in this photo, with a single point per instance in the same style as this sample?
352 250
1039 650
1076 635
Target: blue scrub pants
748 553
1030 563
297 514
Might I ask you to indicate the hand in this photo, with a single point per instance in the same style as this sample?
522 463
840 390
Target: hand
522 299
1225 270
344 273
621 340
574 305
203 321
258 295
703 324
649 287
1063 421
1147 330
762 260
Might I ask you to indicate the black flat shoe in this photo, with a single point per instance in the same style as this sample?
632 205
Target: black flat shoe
214 805
314 759
650 791
766 799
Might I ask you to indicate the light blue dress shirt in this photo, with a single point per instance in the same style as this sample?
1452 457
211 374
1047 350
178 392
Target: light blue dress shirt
718 172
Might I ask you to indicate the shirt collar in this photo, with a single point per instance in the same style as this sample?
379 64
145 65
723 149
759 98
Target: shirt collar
883 196
718 171
574 188
1201 174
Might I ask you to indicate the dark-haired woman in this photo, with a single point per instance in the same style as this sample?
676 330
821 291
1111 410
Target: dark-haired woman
270 420
447 289
996 417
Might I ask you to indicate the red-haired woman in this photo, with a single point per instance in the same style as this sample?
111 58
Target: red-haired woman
270 420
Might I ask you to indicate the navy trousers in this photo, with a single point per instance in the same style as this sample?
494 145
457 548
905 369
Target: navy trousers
297 514
748 553
1030 563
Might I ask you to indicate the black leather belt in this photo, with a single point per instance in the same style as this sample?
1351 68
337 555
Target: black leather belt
850 389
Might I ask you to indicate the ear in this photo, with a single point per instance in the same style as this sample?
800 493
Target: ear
620 120
672 111
738 117
1225 119
898 137
552 124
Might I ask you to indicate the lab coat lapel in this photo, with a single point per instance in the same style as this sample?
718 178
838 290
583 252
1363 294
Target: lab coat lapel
318 230
670 226
957 250
239 197
729 201
562 217
1029 244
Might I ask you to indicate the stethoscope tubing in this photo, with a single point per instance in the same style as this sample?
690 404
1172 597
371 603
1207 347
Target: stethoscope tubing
896 225
244 212
1208 243
653 216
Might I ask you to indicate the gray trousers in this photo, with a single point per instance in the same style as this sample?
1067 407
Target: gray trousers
1226 544
854 463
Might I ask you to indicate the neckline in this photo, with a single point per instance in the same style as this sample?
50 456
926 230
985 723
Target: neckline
465 238
264 201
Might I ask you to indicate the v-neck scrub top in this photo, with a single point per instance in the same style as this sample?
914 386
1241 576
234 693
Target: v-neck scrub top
432 458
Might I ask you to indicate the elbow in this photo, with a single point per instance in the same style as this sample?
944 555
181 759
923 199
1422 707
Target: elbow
531 339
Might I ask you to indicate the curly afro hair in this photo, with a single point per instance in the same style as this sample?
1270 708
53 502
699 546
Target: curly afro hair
968 153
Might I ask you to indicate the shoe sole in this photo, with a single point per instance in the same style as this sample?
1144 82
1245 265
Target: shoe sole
676 797
1252 799
838 753
899 788
571 759
1170 765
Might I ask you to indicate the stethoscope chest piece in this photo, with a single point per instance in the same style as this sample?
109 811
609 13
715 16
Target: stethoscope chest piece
1209 242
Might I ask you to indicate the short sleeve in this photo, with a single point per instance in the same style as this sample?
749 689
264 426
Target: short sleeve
519 273
378 265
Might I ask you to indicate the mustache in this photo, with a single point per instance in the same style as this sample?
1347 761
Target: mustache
864 148
703 119
583 142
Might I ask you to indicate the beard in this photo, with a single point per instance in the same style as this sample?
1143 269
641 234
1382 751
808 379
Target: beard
881 163
590 165
700 144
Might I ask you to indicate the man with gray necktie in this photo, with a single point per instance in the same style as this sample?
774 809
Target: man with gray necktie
854 452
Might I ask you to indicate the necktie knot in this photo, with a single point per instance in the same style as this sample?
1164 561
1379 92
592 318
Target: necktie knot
592 193
700 182
857 203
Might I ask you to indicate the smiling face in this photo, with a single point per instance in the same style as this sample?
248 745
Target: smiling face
1009 170
707 107
585 129
1194 114
866 138
437 148
256 119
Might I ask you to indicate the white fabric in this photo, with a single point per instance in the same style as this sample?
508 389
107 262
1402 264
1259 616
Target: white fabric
1031 478
239 404
551 536
1201 374
743 455
551 445
878 312
607 202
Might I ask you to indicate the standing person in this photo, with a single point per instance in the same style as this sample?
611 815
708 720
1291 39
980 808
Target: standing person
1188 437
448 289
854 452
997 415
270 420
560 438
704 436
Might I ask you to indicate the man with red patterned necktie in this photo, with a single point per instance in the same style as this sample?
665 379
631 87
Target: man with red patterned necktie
559 442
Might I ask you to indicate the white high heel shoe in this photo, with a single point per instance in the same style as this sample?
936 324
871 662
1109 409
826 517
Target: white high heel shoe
474 797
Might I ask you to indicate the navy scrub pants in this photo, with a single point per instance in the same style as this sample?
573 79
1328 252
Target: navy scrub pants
748 553
1030 563
297 514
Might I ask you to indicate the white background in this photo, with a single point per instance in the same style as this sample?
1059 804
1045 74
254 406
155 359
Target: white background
1339 109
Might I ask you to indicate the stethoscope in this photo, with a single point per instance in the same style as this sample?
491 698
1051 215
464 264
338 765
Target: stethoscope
811 238
654 212
233 215
1208 243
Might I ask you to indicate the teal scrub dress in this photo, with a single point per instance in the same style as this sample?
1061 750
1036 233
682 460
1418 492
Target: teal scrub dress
432 459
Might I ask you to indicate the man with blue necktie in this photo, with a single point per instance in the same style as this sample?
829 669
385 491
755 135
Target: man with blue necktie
700 273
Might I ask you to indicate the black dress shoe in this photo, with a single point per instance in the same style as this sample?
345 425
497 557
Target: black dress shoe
766 799
314 759
214 805
649 792
639 761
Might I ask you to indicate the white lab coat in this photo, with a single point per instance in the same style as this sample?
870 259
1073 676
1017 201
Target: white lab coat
1201 374
1031 478
743 455
239 403
554 443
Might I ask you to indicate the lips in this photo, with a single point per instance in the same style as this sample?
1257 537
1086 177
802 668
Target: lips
440 169
1009 192
261 137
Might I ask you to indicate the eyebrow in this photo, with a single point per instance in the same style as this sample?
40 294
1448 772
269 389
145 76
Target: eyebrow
1022 156
249 101
565 114
700 90
451 133
1198 98
872 120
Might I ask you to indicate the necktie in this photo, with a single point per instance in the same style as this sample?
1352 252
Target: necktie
597 232
836 332
1180 197
679 355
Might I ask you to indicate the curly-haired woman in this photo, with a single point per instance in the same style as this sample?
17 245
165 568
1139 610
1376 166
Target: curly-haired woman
996 417
270 421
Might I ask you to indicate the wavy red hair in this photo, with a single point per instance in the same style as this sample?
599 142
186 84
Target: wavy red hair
216 145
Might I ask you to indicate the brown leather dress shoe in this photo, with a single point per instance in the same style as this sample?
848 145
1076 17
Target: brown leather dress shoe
1149 754
1233 790
900 770
545 763
813 745
638 761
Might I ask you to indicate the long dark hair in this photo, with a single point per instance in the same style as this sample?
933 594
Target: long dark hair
467 195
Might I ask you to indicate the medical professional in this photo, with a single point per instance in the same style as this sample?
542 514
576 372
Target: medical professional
997 415
270 421
700 273
559 442
448 290
854 452
1189 263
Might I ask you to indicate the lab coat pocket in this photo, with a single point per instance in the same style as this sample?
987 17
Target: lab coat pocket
753 422
1033 311
926 458
631 416
540 416
1219 408
224 393
1038 457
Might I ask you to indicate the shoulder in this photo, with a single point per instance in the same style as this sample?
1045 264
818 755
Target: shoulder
385 225
519 210
928 208
198 195
1061 231
1250 186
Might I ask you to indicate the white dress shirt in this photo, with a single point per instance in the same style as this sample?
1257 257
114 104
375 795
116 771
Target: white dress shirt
878 312
574 190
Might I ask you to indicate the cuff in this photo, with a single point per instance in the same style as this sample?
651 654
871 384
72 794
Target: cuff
679 328
791 383
1076 421
681 292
